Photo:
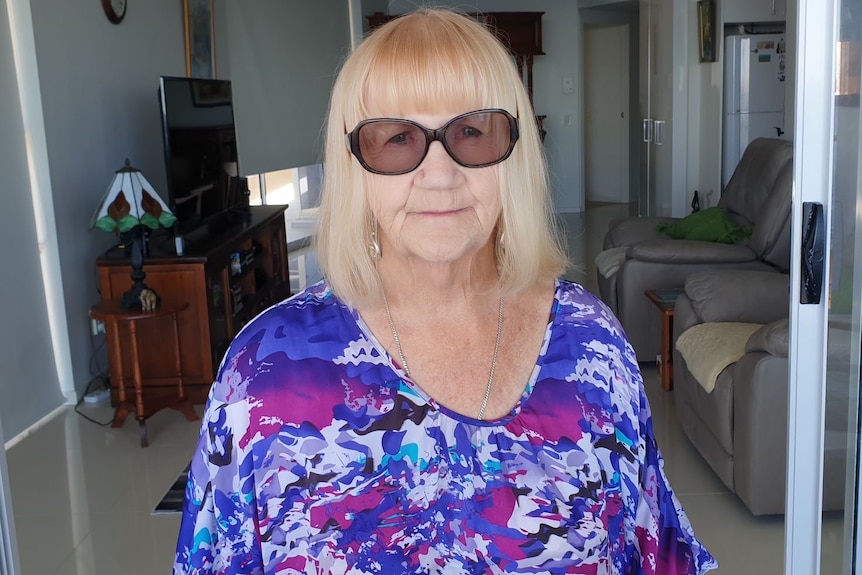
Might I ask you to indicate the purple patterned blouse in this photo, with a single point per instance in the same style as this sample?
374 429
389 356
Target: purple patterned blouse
319 455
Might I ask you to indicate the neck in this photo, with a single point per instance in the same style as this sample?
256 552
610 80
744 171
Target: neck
435 283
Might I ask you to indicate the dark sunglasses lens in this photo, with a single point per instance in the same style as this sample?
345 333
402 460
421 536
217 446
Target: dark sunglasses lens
391 146
474 140
479 139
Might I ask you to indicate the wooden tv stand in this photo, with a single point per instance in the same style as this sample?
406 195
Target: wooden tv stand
221 300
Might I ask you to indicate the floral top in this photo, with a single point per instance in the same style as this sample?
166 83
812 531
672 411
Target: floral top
319 455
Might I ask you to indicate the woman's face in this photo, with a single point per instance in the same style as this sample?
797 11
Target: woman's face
440 212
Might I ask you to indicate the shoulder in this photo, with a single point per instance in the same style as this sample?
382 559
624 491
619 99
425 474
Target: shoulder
590 326
576 304
290 320
287 331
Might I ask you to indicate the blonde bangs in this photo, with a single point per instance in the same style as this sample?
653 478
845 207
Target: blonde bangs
422 67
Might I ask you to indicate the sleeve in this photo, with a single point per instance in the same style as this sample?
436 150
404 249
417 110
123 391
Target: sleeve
664 536
219 529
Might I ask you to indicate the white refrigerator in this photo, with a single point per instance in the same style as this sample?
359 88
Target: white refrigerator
754 82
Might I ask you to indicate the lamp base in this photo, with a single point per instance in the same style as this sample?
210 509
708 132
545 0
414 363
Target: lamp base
139 296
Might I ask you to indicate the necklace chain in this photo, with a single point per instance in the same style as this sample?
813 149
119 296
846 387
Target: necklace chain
493 359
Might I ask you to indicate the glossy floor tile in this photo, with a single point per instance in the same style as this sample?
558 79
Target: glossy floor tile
83 494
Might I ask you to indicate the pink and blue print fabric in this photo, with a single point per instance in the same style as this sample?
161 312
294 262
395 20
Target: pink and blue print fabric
319 455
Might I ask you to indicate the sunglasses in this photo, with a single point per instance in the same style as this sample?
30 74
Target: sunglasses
392 146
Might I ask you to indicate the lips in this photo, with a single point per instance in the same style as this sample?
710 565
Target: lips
439 212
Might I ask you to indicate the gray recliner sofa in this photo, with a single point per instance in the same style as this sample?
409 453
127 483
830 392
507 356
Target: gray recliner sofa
740 427
758 196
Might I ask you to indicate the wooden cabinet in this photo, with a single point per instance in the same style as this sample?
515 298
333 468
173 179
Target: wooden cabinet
521 32
746 11
227 276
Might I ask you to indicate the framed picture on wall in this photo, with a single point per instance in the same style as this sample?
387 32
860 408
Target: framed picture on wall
706 30
200 38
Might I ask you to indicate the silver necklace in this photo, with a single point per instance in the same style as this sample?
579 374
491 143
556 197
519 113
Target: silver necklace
493 359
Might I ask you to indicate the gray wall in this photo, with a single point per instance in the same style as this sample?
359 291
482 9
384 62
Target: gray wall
29 386
282 76
99 86
562 44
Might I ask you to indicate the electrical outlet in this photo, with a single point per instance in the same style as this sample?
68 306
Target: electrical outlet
96 326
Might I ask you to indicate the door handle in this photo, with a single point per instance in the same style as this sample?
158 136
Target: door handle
659 132
813 250
648 128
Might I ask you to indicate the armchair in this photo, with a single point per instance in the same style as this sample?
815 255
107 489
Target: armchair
758 196
740 426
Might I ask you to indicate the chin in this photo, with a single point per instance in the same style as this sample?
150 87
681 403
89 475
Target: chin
445 250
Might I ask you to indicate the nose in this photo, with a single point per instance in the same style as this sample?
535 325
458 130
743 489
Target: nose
438 169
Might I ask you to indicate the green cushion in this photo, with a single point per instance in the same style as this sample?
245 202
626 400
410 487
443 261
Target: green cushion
709 225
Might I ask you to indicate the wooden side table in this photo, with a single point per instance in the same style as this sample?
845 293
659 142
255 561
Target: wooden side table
665 300
113 314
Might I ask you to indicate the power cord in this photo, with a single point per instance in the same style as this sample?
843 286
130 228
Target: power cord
99 375
96 370
104 385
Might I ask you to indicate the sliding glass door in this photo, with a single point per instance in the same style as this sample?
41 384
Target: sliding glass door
823 479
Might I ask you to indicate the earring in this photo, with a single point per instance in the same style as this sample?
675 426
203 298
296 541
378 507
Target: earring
374 248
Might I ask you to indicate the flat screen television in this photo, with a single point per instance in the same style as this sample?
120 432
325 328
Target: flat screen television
201 159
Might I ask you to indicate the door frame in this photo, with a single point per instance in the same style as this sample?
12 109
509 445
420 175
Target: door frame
812 177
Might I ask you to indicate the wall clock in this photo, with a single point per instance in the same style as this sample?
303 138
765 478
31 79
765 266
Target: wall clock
115 10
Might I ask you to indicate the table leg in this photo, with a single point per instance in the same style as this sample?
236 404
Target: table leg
183 405
139 386
142 431
123 407
666 352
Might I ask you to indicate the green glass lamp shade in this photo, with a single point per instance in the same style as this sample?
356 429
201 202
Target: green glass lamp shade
131 201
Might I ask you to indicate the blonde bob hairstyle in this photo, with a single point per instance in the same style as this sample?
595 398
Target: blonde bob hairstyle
421 63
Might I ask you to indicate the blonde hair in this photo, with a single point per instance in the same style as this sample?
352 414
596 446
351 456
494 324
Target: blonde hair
418 63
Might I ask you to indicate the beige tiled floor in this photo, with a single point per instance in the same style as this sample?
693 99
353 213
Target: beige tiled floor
83 494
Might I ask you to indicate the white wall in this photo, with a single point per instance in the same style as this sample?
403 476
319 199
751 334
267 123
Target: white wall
29 386
562 44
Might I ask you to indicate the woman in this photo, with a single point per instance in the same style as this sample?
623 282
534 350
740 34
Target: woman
440 403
